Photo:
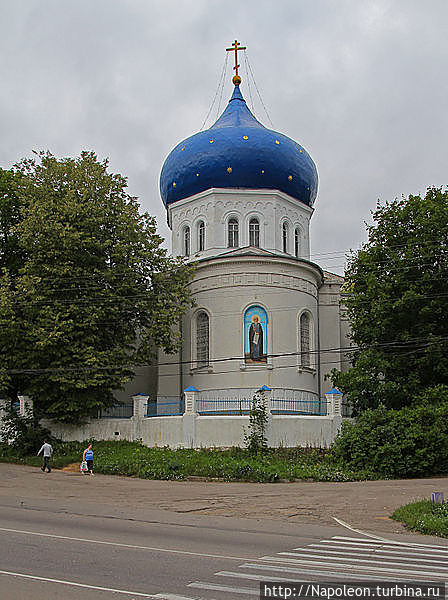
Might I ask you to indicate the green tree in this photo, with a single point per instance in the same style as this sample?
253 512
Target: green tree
96 292
11 256
397 304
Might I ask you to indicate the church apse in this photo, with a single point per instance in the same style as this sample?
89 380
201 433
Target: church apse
255 335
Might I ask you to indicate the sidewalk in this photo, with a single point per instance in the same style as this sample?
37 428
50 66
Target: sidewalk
364 505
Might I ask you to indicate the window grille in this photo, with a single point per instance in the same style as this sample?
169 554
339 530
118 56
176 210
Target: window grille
201 240
305 339
297 243
233 233
254 233
202 340
187 241
285 237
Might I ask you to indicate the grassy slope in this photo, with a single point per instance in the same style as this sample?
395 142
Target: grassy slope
424 516
133 459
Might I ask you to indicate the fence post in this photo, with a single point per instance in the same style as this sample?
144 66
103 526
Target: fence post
189 417
191 394
138 414
25 406
334 399
139 405
265 393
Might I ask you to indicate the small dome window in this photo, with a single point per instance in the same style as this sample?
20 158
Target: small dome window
186 241
254 232
201 236
232 233
285 240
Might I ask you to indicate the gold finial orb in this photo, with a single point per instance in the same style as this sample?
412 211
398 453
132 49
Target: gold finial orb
236 80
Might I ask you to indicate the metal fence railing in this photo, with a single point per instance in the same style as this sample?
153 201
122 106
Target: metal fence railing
168 407
223 406
119 411
285 406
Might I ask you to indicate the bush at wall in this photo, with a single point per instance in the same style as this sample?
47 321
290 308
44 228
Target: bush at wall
410 442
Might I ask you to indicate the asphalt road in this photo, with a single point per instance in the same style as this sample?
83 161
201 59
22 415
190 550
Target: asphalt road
151 556
64 536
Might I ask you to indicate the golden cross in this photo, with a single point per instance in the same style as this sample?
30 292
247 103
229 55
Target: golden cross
235 47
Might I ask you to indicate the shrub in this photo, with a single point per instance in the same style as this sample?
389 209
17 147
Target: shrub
22 433
410 442
255 438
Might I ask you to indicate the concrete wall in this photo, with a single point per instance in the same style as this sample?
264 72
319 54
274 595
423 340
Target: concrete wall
194 431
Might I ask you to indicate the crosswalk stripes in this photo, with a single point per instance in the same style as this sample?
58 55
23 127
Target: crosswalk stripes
339 558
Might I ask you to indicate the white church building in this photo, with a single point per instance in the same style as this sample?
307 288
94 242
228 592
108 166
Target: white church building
239 199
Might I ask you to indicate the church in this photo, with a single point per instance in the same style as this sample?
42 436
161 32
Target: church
239 198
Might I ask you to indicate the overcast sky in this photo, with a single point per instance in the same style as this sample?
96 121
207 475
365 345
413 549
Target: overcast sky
361 84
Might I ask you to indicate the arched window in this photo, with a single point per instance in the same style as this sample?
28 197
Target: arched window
297 242
305 345
233 233
201 236
285 237
202 339
187 241
254 233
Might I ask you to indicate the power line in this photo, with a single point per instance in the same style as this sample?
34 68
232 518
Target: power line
223 71
343 350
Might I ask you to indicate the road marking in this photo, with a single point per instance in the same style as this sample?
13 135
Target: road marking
377 537
336 548
391 542
351 567
371 560
204 585
86 586
371 552
338 574
259 577
132 546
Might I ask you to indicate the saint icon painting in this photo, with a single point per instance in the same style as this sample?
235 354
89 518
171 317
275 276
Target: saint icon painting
255 335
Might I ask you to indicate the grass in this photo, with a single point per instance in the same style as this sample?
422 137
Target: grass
236 464
424 516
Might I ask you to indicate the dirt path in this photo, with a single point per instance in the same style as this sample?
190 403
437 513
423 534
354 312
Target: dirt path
366 505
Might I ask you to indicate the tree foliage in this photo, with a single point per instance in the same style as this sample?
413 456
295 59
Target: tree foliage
397 301
95 292
408 442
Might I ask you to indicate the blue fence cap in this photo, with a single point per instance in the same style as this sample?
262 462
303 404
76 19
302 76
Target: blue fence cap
191 389
334 391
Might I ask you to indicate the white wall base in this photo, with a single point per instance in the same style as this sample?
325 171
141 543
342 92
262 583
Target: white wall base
194 431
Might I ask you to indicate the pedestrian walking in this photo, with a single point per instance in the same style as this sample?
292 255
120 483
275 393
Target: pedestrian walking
87 456
47 451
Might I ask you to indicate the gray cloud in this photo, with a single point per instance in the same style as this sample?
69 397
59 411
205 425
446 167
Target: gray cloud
362 85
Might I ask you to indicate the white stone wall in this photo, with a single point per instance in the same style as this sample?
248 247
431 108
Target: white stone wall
205 432
216 206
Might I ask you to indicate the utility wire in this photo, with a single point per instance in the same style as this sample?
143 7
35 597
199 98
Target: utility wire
343 350
223 71
258 91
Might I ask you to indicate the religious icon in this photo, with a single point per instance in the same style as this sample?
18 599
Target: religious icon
255 335
256 338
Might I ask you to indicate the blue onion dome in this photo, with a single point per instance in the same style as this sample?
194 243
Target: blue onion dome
238 152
